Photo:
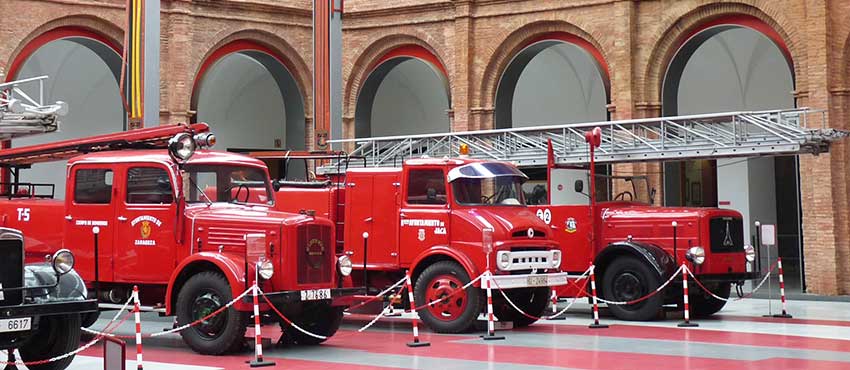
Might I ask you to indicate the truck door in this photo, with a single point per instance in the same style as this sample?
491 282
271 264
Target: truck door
370 207
89 204
569 216
424 213
145 225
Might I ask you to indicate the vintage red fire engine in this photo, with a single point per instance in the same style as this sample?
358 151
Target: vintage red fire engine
636 246
437 218
193 228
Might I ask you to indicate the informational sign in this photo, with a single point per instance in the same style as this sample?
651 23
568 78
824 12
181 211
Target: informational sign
768 234
256 247
113 354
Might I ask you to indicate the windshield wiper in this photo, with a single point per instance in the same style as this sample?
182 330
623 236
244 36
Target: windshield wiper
209 202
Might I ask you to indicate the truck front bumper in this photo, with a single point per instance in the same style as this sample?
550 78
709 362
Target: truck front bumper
530 280
338 297
46 309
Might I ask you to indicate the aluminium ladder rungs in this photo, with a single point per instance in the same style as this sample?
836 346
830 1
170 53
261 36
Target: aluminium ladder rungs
717 135
22 115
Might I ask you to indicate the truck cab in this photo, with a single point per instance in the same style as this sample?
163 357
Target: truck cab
446 221
193 228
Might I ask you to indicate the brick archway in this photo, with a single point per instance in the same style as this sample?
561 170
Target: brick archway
85 26
504 54
686 25
373 56
263 42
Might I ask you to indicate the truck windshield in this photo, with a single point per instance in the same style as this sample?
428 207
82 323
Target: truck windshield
232 184
487 183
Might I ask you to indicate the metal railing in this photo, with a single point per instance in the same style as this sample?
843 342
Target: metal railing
24 115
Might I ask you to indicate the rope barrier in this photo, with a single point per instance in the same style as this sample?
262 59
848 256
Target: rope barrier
463 288
748 295
381 294
641 299
515 307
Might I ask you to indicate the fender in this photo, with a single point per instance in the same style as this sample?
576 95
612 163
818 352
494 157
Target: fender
70 286
231 265
458 256
655 256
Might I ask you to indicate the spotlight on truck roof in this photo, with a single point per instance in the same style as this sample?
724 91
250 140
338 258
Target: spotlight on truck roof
205 140
181 147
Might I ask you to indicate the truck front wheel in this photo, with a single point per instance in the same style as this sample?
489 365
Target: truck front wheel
702 304
57 335
202 295
321 319
532 301
627 279
457 310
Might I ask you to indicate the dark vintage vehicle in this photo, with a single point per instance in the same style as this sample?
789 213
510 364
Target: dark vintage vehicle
40 303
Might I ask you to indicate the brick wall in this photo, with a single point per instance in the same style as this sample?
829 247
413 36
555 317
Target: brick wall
476 39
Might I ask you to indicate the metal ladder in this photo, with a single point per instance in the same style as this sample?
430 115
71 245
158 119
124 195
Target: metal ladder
23 115
717 135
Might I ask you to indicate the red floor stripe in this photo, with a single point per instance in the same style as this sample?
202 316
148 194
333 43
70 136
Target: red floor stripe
774 320
704 336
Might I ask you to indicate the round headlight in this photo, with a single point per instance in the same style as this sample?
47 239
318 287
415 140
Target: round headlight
696 255
345 265
181 147
504 260
63 261
750 253
265 269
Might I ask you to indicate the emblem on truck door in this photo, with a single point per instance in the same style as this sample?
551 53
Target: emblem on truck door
146 229
571 225
421 235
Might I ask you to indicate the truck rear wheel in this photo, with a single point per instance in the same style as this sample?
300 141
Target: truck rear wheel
57 335
702 304
627 279
532 301
453 314
322 319
202 295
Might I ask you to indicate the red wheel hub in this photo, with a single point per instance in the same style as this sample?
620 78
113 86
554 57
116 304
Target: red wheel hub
452 304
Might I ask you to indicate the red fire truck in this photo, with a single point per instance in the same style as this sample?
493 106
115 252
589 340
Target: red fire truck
193 228
432 217
636 246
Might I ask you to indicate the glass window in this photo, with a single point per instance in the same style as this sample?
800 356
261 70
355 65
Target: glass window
93 186
149 185
426 187
501 190
235 184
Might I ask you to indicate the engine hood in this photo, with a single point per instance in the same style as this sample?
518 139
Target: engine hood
256 215
507 222
624 211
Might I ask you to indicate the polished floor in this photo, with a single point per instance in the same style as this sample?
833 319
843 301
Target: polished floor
818 337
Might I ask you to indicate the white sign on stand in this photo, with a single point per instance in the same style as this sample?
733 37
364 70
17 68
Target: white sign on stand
768 234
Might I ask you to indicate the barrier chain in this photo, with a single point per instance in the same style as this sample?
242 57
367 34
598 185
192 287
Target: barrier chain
515 307
463 288
380 295
595 324
748 295
416 342
687 323
138 328
641 299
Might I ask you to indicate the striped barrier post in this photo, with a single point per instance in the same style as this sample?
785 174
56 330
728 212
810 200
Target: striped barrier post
491 325
139 363
687 323
784 313
555 307
596 324
416 342
258 338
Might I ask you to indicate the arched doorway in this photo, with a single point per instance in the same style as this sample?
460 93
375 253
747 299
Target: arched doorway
556 78
407 92
247 94
737 63
84 69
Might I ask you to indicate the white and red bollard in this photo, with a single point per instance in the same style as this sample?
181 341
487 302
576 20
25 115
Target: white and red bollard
555 307
687 323
784 313
491 325
596 324
416 342
258 337
136 313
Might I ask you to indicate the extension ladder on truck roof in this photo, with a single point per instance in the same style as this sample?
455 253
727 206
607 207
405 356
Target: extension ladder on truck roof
717 135
22 115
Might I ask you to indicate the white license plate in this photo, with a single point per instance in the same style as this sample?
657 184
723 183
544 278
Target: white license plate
538 281
19 324
315 294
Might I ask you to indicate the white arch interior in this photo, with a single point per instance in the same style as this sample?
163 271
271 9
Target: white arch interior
82 72
408 96
733 69
561 84
250 100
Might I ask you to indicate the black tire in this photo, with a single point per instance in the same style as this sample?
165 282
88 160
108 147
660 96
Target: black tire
89 318
628 278
702 304
57 335
321 319
201 295
531 300
455 315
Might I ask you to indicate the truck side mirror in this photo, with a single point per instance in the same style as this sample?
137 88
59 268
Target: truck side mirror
579 186
276 184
